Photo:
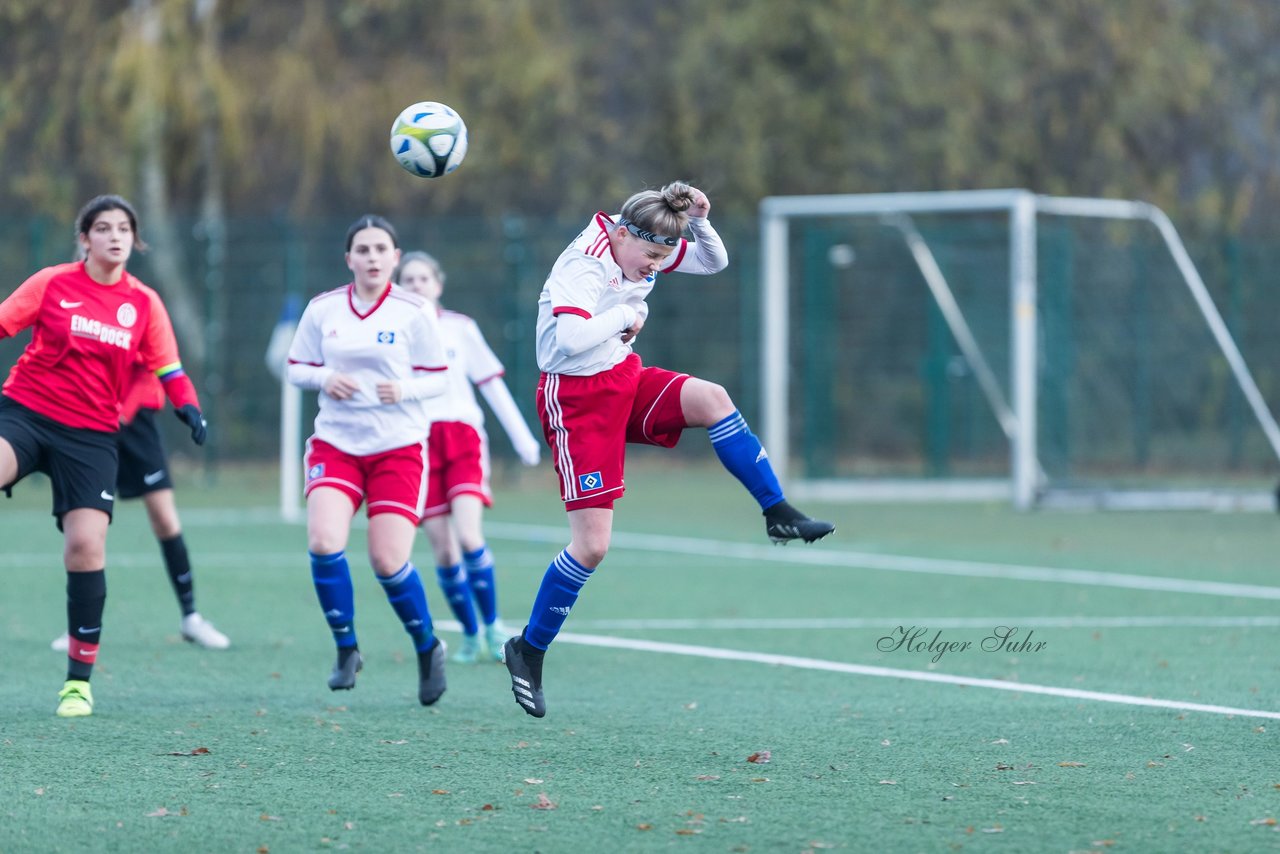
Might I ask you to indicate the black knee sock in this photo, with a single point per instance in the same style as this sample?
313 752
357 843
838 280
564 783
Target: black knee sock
86 596
178 565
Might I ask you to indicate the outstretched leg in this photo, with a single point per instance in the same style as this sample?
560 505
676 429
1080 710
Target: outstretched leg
708 405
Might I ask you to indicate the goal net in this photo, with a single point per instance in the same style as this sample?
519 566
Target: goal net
1002 344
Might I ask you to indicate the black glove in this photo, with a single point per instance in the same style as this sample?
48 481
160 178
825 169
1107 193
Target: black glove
190 415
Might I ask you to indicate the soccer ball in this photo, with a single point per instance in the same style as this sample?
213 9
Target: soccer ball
429 139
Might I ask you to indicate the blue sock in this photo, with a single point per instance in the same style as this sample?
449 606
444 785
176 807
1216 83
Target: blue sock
332 578
741 453
408 598
559 590
453 582
479 565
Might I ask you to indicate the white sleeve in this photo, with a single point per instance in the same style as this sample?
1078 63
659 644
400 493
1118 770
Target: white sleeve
498 396
576 334
708 255
424 384
306 360
426 353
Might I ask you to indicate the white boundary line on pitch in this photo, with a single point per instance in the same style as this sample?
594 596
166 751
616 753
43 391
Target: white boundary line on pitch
892 563
819 623
894 673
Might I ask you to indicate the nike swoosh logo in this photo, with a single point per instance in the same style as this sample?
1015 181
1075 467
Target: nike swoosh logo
86 652
66 304
85 631
107 496
154 477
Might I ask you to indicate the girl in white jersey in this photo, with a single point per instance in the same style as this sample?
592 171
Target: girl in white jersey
374 355
458 447
595 396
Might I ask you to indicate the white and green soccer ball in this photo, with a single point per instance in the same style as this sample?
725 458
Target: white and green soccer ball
429 139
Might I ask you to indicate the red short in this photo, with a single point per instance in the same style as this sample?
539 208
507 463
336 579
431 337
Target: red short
588 422
391 482
459 456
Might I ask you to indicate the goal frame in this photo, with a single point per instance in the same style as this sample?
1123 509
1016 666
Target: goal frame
1026 487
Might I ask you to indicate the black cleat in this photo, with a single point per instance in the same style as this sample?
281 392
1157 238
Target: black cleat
431 673
524 663
784 523
343 677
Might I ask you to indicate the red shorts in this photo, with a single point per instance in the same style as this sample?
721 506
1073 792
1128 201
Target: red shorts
459 457
391 482
588 422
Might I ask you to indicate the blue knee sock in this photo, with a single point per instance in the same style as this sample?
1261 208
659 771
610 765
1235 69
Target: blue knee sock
453 583
741 453
479 565
559 590
332 578
408 598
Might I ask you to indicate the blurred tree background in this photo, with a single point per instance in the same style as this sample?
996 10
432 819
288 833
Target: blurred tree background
249 133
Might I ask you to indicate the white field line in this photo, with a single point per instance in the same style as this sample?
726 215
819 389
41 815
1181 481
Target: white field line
894 673
825 623
892 563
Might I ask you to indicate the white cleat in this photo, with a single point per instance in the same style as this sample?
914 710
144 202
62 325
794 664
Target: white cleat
201 632
61 643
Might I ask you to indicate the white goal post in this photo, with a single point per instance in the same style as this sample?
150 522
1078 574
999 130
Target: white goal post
1025 485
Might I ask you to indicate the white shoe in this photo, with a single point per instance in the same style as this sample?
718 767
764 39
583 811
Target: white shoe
61 643
201 632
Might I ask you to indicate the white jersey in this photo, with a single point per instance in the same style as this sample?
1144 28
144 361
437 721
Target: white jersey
587 281
394 339
470 361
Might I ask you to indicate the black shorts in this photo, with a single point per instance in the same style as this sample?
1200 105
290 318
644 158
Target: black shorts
143 466
81 463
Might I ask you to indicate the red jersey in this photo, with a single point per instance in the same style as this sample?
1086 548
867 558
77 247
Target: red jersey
143 391
87 337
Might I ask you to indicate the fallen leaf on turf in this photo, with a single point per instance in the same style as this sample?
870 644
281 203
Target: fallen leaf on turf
400 741
760 757
265 817
486 808
1201 818
1070 764
1188 747
395 795
162 811
262 849
691 706
759 779
544 803
597 808
742 819
40 791
1000 766
1259 729
1024 782
349 825
687 831
822 844
1001 741
644 827
1268 821
885 742
439 791
888 782
199 751
994 829
707 777
533 781
1103 843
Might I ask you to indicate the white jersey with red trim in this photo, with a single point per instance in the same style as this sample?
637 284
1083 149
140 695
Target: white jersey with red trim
394 339
587 281
471 363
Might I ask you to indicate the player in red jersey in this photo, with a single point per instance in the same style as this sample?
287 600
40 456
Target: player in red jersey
144 473
91 322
